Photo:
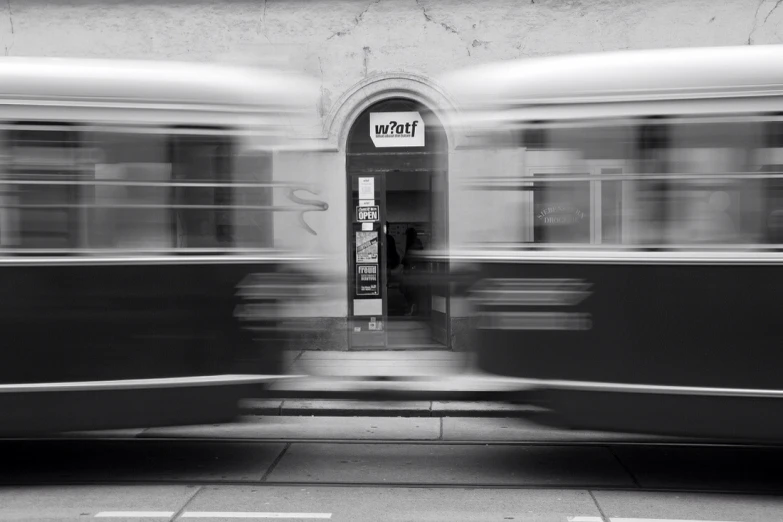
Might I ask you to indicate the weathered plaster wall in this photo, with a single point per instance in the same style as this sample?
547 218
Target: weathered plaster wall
342 42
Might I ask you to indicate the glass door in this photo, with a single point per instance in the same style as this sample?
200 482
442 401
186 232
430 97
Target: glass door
367 261
439 269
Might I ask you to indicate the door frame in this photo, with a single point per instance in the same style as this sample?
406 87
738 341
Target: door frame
380 190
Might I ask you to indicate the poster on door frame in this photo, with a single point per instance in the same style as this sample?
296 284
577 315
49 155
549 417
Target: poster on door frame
366 188
367 246
367 279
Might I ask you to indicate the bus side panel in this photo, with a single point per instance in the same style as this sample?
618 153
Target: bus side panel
698 325
646 324
86 323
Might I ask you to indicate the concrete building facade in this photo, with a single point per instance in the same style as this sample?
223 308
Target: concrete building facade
365 53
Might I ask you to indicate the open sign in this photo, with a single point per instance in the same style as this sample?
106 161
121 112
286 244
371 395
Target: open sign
367 214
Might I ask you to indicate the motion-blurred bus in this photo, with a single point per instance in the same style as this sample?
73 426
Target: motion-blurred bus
630 240
139 283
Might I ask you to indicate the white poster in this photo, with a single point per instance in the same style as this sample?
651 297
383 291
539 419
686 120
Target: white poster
366 188
396 129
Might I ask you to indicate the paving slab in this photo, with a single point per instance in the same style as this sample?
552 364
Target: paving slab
715 468
64 462
261 406
65 503
105 434
689 506
356 504
479 409
350 407
517 430
277 427
449 464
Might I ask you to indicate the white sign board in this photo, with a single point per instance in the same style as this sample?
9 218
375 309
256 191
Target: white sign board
396 129
366 188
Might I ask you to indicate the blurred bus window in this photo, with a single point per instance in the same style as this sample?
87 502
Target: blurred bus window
253 229
770 160
655 181
648 207
723 209
71 206
587 209
132 158
43 215
208 160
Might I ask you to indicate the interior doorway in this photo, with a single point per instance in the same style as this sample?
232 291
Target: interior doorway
397 169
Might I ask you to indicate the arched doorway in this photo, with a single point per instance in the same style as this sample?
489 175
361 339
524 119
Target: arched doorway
397 175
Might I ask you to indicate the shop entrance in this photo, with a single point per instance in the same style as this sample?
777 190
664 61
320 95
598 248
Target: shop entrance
397 166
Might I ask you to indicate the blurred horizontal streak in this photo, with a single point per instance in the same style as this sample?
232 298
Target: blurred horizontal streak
275 208
153 260
125 384
121 127
640 255
528 181
258 252
534 321
191 184
259 291
531 292
272 109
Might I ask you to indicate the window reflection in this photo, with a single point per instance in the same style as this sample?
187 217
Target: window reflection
70 189
131 158
670 182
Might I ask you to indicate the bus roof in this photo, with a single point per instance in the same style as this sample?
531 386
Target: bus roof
662 75
158 81
124 84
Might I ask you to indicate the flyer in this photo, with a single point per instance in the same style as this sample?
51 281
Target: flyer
366 188
367 246
366 279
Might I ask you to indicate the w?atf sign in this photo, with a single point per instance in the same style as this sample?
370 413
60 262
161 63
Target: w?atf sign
396 129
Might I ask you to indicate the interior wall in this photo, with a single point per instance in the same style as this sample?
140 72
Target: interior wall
407 207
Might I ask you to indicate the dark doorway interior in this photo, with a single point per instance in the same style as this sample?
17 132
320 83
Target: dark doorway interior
409 217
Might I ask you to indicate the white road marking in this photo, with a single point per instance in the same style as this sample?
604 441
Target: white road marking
239 514
135 514
616 519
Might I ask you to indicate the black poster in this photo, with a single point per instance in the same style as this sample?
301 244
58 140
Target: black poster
366 279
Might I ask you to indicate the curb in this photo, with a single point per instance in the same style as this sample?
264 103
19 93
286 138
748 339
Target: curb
355 408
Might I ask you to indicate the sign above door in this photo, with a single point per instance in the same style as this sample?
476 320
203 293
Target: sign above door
396 129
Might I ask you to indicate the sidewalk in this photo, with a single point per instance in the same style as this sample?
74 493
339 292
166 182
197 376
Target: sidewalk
387 383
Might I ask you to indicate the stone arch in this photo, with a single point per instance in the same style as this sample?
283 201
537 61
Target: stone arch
382 87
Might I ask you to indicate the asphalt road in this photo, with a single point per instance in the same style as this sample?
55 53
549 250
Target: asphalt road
368 469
